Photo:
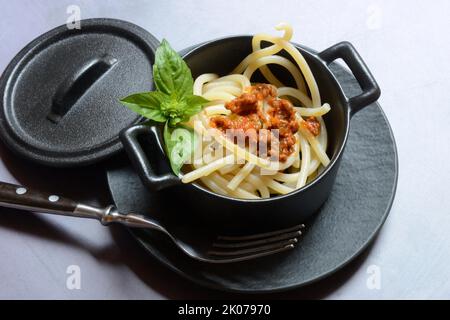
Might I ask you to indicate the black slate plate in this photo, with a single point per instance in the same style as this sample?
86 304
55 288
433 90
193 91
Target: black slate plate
345 226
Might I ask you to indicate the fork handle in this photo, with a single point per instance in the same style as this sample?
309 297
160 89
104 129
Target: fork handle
18 197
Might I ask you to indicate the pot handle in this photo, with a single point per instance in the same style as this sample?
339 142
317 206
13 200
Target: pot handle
154 180
370 89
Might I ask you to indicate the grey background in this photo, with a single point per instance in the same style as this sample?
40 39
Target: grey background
406 45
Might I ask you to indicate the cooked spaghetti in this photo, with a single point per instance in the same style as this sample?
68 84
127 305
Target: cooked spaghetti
264 139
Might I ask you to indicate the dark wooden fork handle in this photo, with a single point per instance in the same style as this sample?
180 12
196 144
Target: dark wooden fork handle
19 197
14 196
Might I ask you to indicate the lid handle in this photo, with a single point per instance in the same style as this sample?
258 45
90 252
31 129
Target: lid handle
75 86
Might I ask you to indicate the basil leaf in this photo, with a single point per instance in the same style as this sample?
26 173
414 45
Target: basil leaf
174 109
170 72
180 144
145 99
147 104
172 103
194 105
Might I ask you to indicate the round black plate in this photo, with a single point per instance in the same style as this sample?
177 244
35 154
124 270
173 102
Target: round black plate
345 226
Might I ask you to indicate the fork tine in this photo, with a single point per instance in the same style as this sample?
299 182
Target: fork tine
256 255
260 235
253 243
272 246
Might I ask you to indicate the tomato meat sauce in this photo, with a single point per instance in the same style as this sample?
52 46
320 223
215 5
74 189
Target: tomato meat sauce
259 108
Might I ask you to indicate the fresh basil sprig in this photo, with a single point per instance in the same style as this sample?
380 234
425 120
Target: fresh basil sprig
173 102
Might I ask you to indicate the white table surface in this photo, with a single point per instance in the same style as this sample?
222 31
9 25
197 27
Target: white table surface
406 45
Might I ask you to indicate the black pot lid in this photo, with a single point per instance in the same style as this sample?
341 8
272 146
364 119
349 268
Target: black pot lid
60 95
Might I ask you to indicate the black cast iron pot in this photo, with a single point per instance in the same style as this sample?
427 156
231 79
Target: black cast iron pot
145 145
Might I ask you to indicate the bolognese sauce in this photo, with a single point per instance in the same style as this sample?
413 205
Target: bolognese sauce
260 108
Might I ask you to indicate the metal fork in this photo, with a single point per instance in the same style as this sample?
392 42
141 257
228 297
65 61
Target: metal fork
201 247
